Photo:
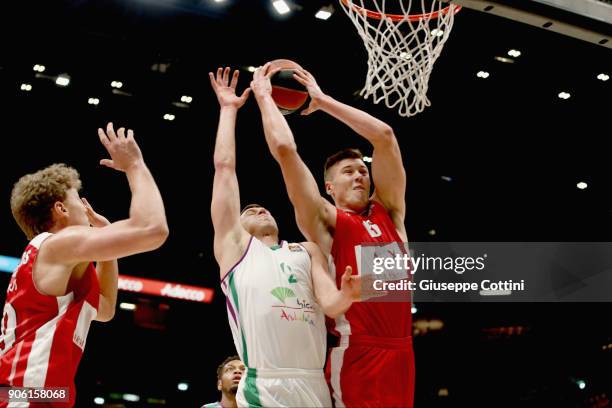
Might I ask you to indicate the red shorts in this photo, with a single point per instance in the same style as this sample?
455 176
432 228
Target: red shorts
369 371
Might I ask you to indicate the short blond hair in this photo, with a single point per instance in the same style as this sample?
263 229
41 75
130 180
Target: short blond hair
34 195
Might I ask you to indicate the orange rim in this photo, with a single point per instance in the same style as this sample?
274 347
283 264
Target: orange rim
399 17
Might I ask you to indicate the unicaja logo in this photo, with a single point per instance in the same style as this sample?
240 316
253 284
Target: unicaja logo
177 291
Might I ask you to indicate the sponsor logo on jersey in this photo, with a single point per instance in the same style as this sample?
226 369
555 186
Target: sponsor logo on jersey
295 248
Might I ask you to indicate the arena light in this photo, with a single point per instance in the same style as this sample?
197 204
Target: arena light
603 77
414 309
251 68
127 306
482 74
582 185
62 80
183 386
504 60
405 55
117 84
93 101
324 13
432 232
131 397
367 159
169 117
39 68
436 32
581 384
186 99
99 401
281 7
514 53
26 87
564 95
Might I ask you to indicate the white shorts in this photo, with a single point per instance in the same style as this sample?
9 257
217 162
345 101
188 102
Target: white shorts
283 388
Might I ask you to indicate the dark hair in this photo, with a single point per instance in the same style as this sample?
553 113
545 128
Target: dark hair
227 360
341 155
253 205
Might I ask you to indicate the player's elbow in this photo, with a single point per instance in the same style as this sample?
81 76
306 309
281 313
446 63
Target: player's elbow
283 149
158 234
224 163
386 133
384 137
152 236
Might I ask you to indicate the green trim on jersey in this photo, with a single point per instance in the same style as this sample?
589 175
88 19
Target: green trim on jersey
232 285
213 405
275 247
251 394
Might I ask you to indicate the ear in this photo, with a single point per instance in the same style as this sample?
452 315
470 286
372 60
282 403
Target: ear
329 188
59 210
219 387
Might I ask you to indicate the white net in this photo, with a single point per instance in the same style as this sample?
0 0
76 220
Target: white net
401 50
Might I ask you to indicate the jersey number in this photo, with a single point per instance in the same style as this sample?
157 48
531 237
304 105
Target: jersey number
9 321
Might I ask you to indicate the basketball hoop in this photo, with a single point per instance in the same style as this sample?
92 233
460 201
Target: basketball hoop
402 49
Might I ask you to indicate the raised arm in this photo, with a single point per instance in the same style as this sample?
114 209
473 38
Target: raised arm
333 302
314 215
145 229
230 237
388 172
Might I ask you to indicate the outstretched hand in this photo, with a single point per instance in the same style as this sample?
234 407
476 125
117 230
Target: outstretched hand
122 148
308 80
261 83
226 90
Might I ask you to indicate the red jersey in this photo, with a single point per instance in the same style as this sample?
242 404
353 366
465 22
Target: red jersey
43 336
381 319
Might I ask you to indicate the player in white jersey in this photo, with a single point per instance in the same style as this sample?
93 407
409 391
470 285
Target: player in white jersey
277 293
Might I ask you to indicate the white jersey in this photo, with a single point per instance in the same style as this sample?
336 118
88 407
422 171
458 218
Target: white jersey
275 320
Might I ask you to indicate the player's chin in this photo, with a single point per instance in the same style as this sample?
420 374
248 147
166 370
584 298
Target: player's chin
234 389
360 199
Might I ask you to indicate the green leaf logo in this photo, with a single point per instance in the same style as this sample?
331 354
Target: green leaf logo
282 293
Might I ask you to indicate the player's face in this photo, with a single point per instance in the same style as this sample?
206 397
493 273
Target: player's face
77 214
350 184
230 378
258 221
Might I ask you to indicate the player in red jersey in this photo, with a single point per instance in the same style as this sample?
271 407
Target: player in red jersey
373 364
56 291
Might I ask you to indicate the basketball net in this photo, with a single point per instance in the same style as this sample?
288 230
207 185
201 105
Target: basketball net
402 49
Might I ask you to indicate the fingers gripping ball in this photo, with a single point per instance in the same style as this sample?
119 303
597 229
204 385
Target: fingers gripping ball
289 95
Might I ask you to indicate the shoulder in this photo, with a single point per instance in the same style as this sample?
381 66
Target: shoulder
312 248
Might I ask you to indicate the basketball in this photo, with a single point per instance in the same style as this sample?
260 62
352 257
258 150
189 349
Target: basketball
288 93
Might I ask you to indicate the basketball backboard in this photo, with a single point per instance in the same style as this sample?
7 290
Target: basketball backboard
588 20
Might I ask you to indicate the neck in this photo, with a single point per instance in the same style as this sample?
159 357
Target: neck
345 207
56 228
228 401
268 239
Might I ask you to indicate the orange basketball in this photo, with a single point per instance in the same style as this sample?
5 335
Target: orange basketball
288 93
